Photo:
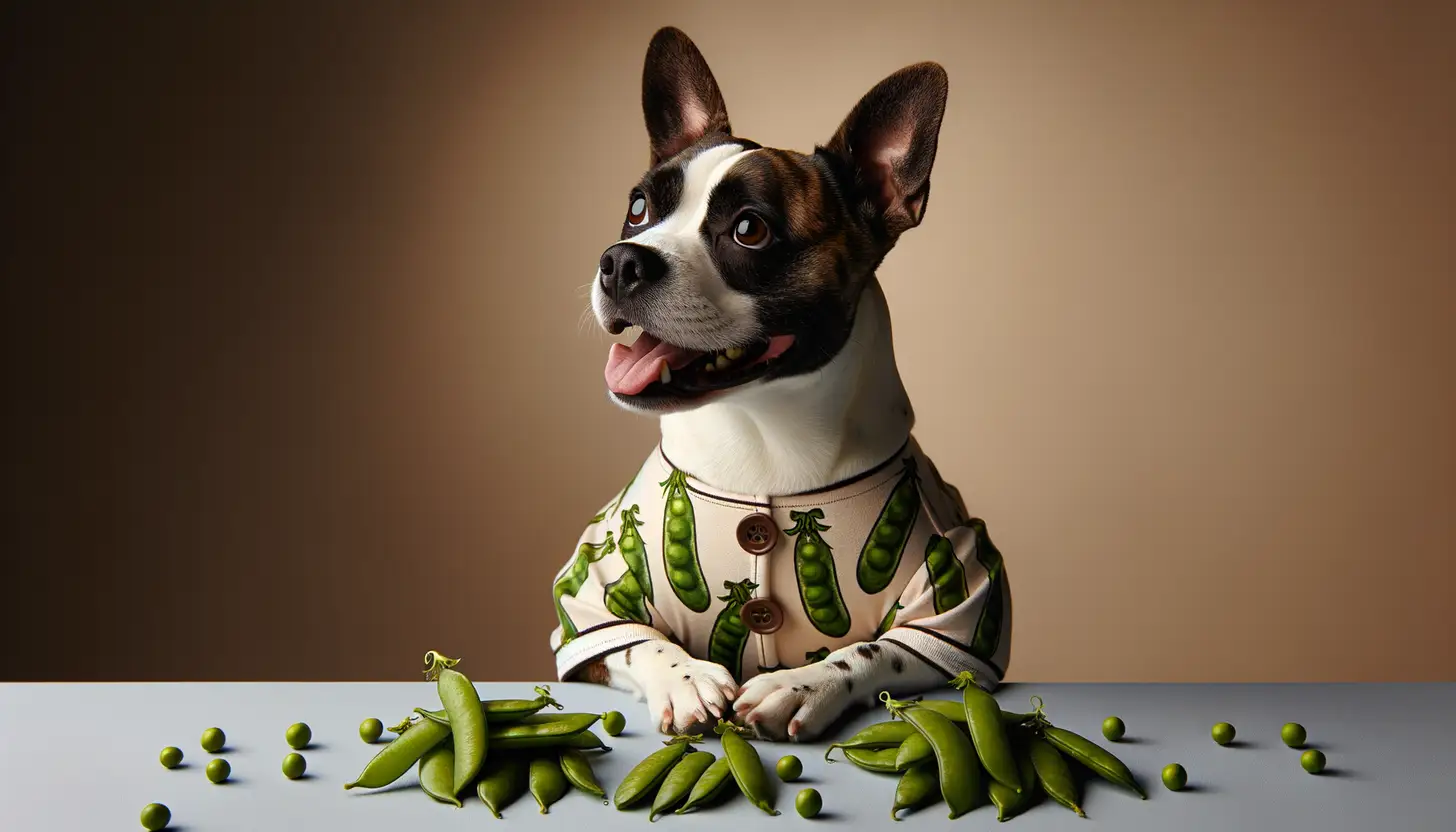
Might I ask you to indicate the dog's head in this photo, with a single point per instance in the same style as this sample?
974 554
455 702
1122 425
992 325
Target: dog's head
742 264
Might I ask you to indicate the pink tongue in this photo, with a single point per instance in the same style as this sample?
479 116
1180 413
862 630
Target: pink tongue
631 368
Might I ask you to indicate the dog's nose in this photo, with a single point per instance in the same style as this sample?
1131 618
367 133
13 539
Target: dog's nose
628 268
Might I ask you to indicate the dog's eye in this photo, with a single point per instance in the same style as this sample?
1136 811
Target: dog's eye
637 210
750 231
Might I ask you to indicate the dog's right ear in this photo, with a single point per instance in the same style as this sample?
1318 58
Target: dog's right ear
680 97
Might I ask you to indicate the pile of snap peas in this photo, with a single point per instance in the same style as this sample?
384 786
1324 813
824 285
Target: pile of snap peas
500 748
969 752
681 779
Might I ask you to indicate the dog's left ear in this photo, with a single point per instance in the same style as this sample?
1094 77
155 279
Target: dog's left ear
889 139
680 97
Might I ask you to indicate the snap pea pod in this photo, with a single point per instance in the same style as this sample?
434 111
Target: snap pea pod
578 770
634 550
878 736
1054 774
547 781
571 580
503 711
680 545
437 773
913 751
889 620
987 638
879 760
956 711
817 578
502 781
1093 756
730 634
1010 803
880 557
947 575
988 731
919 786
747 767
392 761
955 757
467 718
537 727
583 740
715 781
648 774
680 780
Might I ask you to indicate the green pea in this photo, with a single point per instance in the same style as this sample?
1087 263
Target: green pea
883 549
789 768
647 775
213 739
370 730
1113 728
218 770
816 594
547 782
955 756
678 507
502 781
613 722
715 782
298 735
680 781
808 803
746 766
918 786
1223 733
392 761
814 566
468 731
294 766
1054 774
678 555
171 757
881 735
155 817
1293 735
1175 777
728 636
1312 761
947 575
571 580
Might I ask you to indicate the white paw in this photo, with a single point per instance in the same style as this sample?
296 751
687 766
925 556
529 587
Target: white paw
796 704
687 694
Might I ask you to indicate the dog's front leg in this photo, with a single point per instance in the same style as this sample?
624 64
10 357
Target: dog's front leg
798 704
681 692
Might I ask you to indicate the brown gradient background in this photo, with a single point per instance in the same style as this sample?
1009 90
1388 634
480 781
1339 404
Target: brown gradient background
299 385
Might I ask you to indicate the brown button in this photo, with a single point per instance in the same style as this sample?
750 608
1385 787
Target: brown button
762 616
757 534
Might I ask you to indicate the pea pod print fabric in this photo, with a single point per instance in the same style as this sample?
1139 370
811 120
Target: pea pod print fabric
891 556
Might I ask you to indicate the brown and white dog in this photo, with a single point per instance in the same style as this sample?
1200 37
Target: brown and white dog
768 257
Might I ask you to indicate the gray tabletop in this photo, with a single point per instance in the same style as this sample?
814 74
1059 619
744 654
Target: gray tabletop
84 757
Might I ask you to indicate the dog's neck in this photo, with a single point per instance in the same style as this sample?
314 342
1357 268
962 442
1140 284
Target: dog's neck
800 434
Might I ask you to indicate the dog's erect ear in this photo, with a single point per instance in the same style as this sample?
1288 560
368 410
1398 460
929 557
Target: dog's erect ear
680 97
889 139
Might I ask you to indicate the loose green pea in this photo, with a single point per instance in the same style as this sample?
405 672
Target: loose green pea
294 765
155 816
1223 733
808 803
1113 728
789 768
370 730
213 739
613 723
1312 761
171 757
218 770
1293 734
298 735
1175 777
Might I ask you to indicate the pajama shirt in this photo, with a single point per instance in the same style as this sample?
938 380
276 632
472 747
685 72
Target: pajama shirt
759 583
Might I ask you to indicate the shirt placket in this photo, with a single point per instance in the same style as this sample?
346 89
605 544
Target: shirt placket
758 535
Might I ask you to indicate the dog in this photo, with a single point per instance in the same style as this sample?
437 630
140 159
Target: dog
787 553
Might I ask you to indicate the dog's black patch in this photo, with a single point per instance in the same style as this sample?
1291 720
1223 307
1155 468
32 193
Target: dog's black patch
674 664
848 685
897 664
874 648
841 664
687 678
864 650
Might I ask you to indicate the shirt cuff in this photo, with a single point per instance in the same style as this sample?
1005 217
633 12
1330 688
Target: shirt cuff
943 653
595 642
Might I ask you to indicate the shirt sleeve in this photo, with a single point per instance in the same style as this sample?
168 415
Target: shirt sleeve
600 604
955 614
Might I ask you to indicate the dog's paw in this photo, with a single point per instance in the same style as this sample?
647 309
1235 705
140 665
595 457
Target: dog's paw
689 694
796 704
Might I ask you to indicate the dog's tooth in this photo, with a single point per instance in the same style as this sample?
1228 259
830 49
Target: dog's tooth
666 373
734 353
723 362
